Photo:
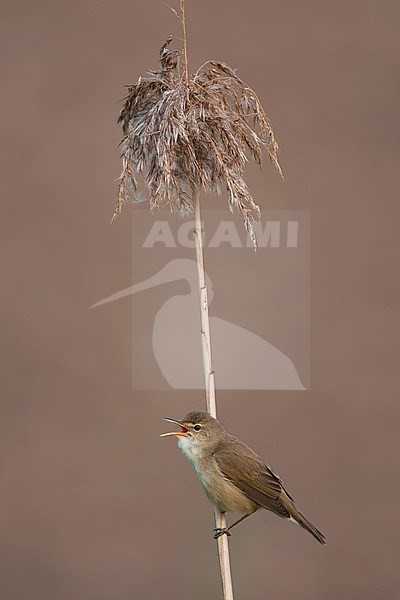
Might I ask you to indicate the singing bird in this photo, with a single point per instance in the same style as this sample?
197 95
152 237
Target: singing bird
233 476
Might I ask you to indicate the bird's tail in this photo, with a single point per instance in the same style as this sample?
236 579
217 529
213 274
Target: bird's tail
303 522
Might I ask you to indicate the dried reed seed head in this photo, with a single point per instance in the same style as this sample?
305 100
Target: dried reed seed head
183 136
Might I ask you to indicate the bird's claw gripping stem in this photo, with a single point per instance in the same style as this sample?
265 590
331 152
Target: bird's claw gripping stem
220 531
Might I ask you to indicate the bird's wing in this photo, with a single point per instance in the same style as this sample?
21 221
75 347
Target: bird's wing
255 479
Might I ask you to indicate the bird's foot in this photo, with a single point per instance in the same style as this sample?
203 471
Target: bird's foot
220 531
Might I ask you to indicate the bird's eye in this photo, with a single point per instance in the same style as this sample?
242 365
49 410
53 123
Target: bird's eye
197 427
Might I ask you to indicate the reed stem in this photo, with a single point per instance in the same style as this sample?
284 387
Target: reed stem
209 381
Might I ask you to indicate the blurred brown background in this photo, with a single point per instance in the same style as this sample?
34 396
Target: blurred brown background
95 506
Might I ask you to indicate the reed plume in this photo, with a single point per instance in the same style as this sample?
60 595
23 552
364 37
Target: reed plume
189 134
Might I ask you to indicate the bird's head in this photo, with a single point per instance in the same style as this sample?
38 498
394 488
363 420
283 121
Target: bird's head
198 430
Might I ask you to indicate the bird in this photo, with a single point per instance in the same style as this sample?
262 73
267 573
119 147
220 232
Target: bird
254 363
232 475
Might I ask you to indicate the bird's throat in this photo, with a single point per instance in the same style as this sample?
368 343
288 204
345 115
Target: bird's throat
193 451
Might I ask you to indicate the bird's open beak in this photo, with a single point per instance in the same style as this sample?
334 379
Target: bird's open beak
183 430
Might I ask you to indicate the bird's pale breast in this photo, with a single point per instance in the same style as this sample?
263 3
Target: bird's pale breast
220 491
